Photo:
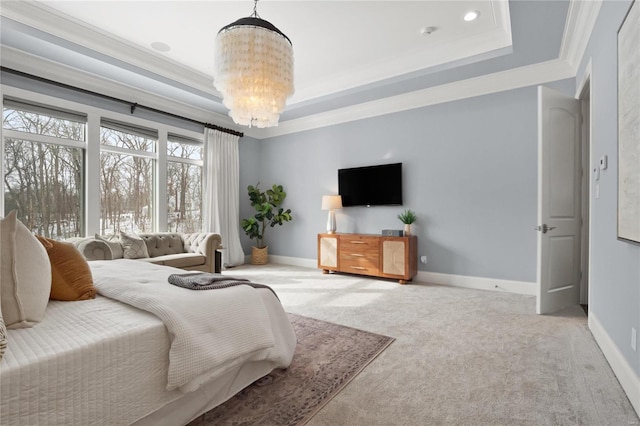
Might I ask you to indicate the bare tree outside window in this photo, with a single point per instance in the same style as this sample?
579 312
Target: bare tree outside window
126 182
43 181
44 175
184 186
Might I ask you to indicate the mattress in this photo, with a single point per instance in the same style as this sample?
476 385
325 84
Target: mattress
88 362
102 362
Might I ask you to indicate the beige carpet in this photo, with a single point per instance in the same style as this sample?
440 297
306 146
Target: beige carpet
328 356
461 357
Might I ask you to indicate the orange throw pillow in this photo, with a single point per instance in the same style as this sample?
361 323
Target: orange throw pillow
71 277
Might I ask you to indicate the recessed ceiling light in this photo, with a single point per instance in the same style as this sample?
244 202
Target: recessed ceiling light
427 30
471 15
160 46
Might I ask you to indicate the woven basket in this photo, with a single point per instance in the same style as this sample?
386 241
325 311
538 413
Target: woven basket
259 256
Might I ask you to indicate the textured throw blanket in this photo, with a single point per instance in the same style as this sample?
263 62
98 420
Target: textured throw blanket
210 332
209 281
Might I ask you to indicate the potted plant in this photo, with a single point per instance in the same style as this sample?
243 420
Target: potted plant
407 217
268 213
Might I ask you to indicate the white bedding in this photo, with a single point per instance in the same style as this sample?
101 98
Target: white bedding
101 362
211 331
86 361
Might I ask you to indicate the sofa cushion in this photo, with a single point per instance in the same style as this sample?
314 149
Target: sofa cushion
25 274
182 260
196 242
160 244
117 252
71 277
134 246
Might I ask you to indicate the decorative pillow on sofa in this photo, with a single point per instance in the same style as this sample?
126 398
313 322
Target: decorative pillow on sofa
70 274
134 246
117 251
25 274
91 248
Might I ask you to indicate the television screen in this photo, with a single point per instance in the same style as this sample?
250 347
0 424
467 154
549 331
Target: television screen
371 186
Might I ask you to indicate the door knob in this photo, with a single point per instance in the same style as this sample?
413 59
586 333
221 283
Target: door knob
544 228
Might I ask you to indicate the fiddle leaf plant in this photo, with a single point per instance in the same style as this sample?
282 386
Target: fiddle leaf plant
268 212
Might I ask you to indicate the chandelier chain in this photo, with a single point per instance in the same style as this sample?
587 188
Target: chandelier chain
255 9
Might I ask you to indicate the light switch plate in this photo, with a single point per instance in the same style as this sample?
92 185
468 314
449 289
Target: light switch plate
604 162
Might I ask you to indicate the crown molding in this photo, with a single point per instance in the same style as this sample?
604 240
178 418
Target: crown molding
48 20
38 66
579 24
477 86
515 78
387 68
581 19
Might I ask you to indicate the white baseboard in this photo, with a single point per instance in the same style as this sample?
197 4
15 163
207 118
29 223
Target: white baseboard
287 260
624 372
294 261
479 283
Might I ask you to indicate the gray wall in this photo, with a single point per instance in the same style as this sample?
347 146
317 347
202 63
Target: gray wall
615 265
469 171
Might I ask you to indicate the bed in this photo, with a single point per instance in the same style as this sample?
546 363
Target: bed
119 362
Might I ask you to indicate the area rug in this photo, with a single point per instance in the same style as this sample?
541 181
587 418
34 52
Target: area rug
328 356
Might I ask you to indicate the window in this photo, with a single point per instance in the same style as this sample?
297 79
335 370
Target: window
127 163
73 169
184 184
44 168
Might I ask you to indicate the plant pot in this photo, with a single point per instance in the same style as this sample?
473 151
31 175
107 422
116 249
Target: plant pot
407 229
259 256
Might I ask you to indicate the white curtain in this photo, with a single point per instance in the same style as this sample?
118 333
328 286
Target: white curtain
221 193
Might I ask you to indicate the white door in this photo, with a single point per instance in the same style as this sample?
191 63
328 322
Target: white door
559 206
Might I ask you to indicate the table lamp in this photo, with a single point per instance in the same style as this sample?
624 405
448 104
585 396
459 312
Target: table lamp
331 203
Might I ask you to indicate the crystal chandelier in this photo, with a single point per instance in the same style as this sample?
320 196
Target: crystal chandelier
253 70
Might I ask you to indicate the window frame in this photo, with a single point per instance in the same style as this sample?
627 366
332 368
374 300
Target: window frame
79 145
93 147
189 161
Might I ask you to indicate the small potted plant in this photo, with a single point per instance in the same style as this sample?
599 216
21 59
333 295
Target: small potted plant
268 213
407 217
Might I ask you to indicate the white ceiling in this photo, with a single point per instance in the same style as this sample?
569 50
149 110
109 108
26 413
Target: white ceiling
338 45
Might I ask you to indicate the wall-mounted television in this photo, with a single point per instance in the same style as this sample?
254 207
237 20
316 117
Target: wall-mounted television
379 185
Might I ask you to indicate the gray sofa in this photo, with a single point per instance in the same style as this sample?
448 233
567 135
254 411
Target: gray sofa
196 251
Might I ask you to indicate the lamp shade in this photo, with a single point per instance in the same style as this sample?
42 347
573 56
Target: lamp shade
253 71
331 202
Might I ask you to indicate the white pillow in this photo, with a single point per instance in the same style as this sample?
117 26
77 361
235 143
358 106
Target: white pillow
134 246
25 274
114 244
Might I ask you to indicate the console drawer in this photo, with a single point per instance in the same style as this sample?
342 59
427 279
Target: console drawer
359 264
360 244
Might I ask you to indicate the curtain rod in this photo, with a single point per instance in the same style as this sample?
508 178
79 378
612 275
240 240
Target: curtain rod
133 105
